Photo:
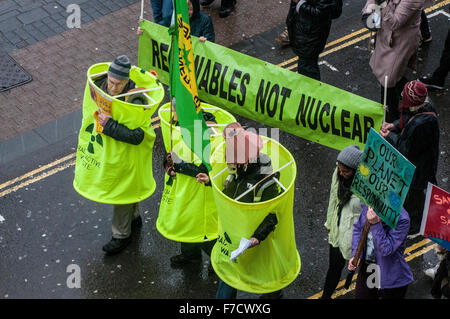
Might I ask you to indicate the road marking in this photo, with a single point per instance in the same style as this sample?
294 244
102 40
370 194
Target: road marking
328 65
38 178
408 257
38 170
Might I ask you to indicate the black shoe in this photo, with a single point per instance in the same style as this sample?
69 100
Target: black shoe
225 9
136 223
433 83
205 3
116 245
183 260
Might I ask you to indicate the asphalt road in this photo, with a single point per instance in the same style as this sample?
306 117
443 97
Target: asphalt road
45 226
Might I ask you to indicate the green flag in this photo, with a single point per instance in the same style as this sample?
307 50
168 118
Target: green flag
183 86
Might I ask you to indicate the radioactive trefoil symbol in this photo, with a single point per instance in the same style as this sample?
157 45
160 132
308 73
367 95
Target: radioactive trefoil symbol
94 138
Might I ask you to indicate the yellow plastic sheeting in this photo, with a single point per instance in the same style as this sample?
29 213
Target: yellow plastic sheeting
275 262
187 211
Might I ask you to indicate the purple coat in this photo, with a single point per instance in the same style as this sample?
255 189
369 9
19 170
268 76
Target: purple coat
389 246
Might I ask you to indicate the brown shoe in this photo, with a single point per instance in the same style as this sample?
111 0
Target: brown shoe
283 38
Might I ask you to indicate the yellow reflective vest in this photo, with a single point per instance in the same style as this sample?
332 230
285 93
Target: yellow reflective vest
110 171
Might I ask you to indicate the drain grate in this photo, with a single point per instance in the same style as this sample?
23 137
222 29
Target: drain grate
11 73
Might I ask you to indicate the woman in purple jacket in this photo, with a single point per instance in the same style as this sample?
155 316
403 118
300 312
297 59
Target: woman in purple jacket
384 272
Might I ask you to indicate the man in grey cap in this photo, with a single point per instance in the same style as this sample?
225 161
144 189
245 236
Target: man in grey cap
125 217
117 80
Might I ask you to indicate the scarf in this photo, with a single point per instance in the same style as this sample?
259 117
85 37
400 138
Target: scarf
344 194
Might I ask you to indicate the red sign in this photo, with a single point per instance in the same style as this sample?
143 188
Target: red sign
436 214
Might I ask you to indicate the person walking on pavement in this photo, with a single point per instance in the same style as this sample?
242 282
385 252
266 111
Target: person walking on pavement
226 6
437 79
309 23
125 217
416 135
344 209
396 47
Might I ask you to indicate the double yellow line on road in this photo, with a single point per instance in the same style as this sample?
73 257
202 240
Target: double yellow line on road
43 171
289 64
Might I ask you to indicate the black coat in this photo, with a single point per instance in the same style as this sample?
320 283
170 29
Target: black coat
309 27
255 173
419 143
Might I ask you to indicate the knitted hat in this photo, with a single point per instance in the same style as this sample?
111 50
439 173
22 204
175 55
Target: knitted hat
120 68
241 146
413 98
350 156
413 95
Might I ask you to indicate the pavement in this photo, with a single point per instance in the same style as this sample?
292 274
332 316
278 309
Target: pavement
50 226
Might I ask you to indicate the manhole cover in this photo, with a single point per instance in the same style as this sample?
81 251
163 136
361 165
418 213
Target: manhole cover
11 73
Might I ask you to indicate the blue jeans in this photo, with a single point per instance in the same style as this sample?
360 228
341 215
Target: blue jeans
162 11
225 292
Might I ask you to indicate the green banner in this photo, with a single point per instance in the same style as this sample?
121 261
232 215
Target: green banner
266 93
383 178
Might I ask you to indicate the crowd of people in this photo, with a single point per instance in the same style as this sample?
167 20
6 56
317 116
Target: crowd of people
411 126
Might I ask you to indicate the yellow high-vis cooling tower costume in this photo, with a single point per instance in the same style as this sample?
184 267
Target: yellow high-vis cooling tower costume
109 171
275 262
187 212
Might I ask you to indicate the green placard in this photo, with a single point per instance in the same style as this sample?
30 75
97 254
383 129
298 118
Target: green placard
383 178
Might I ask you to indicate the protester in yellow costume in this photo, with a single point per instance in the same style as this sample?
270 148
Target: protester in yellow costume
113 164
197 204
247 167
125 217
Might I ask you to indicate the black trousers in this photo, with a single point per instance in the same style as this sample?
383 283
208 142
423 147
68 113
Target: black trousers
336 264
424 26
414 202
194 250
309 67
393 100
444 67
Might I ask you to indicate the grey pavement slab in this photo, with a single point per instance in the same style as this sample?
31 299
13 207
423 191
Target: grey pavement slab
48 17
